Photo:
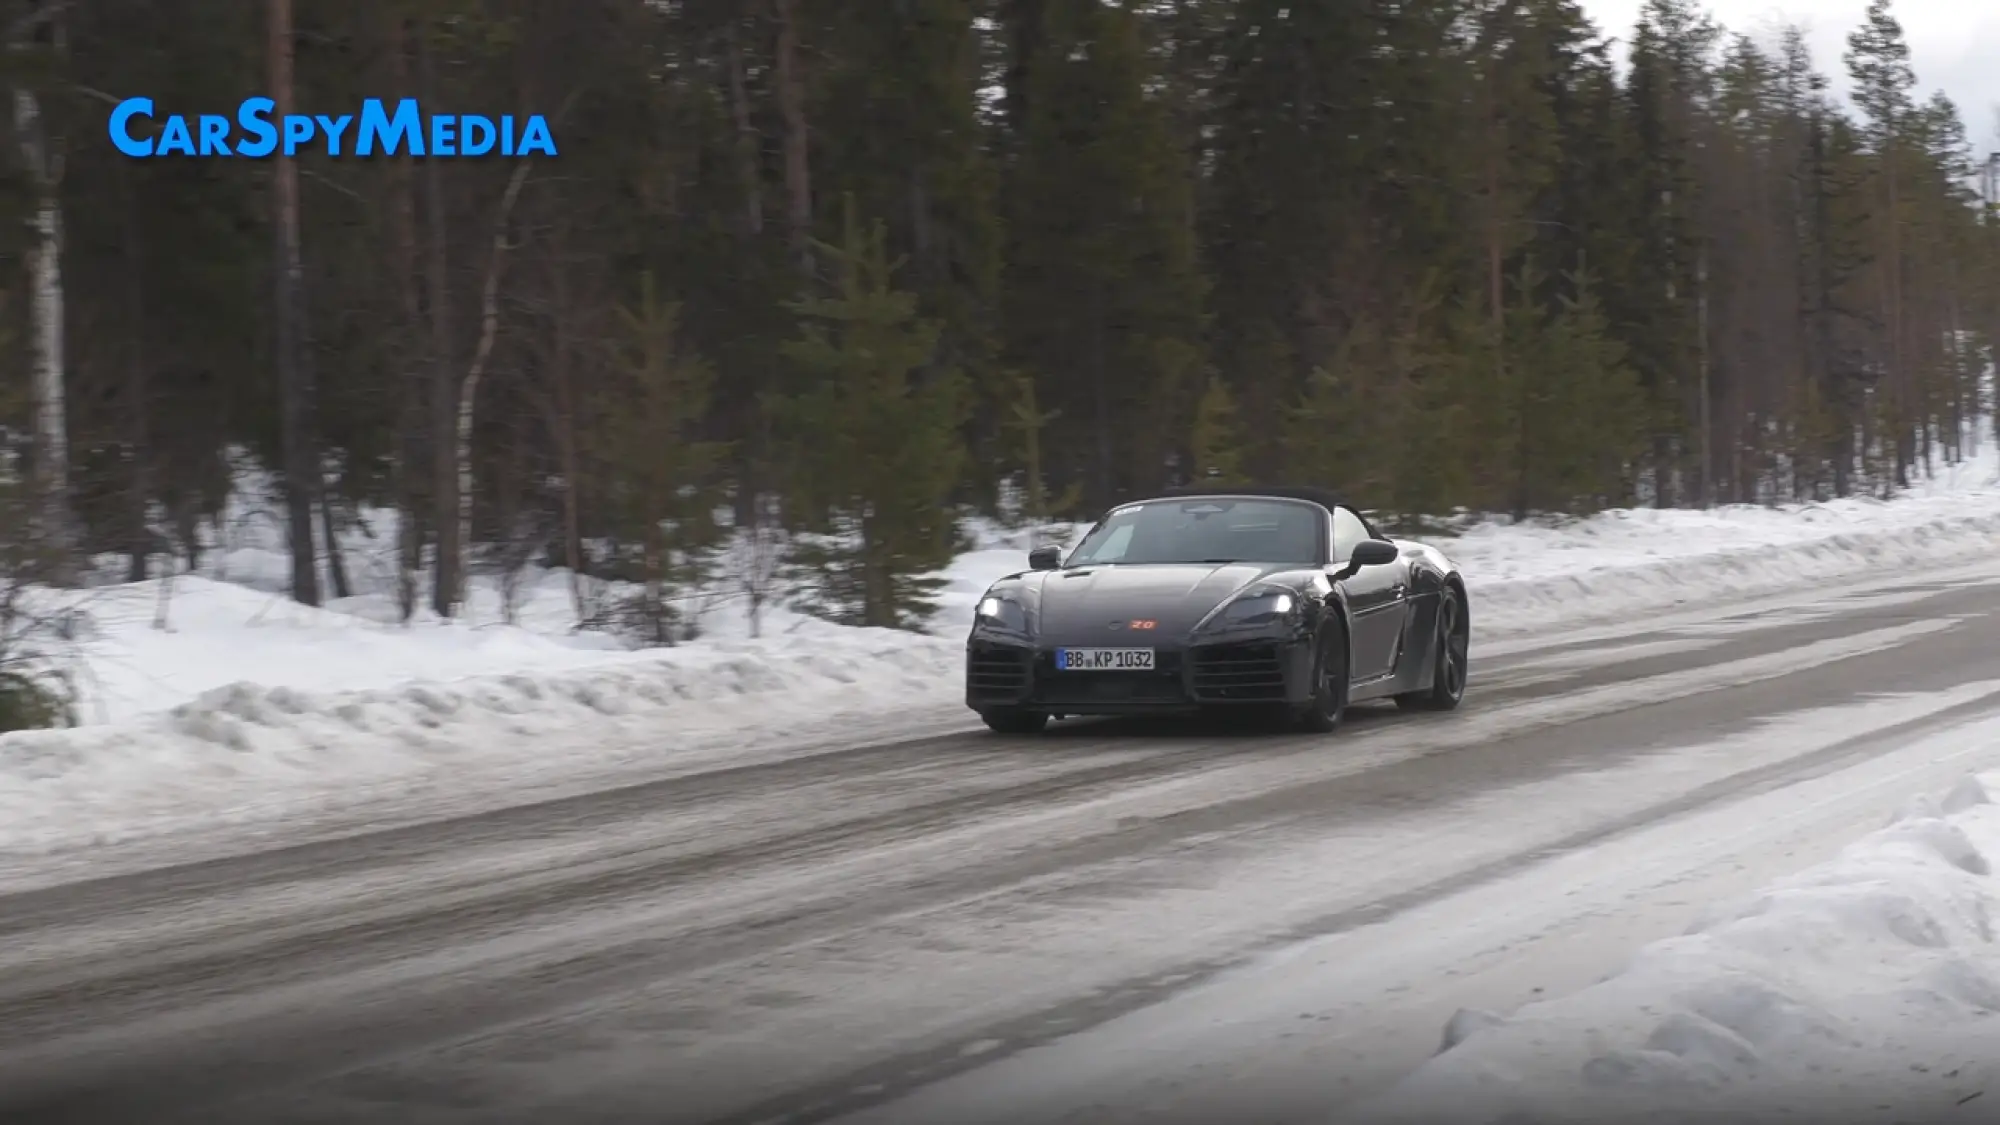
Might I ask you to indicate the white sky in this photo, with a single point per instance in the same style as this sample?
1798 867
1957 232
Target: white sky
1954 44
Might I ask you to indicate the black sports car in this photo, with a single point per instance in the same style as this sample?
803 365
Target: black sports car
1283 600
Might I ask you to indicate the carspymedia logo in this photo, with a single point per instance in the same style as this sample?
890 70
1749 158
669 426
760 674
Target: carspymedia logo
256 132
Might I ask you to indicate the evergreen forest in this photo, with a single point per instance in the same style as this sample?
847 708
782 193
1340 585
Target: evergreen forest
825 275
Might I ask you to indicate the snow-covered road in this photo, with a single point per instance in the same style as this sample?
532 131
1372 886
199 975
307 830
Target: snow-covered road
1095 926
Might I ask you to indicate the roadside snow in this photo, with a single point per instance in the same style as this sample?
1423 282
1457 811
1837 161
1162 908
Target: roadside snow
246 753
222 634
245 705
1630 562
1870 981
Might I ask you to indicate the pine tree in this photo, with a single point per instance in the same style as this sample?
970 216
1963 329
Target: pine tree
1029 421
663 473
877 448
1878 61
1669 92
1581 409
1381 418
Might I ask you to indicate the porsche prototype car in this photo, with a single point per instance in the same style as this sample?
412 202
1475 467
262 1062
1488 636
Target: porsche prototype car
1277 600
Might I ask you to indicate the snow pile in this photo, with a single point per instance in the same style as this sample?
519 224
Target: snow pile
1634 561
245 753
220 633
1869 981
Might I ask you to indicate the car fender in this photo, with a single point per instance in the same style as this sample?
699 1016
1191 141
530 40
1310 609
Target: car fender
1429 567
1430 571
1333 609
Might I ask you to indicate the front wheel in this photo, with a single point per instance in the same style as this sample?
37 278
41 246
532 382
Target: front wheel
1329 701
1448 660
1013 721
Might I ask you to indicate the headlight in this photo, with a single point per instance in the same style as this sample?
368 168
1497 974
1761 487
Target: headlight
1003 613
1270 603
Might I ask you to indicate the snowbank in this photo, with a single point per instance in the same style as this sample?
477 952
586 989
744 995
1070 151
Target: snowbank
1630 562
1870 982
247 753
221 633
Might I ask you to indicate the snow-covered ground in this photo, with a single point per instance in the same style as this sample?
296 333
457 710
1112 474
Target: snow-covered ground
246 707
1867 983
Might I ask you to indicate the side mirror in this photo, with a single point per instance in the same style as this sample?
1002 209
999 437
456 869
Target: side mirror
1374 552
1045 558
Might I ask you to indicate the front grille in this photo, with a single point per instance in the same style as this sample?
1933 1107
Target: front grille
1239 672
1162 684
996 671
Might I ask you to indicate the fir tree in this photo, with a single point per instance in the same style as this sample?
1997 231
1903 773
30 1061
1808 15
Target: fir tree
877 451
1029 421
664 484
1582 409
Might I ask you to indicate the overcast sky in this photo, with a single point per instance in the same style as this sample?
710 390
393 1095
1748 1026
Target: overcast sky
1954 44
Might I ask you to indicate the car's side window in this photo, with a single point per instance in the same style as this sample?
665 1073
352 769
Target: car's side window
1348 530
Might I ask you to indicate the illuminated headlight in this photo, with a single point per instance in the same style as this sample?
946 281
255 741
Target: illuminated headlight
1003 613
1275 603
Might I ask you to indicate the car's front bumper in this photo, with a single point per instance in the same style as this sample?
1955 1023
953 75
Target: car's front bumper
1003 674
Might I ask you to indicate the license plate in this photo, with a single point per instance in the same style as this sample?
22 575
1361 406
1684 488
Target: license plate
1104 659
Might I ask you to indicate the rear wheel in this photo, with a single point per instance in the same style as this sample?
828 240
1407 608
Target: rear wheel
1014 721
1329 701
1448 662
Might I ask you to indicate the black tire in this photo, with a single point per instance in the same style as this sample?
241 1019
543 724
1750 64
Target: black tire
1330 671
1011 721
1449 664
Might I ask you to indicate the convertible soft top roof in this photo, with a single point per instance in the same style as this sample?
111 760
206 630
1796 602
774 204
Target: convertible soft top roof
1323 497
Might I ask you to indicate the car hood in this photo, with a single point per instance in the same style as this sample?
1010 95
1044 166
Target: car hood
1177 596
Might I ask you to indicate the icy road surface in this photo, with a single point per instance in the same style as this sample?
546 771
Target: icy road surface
1102 925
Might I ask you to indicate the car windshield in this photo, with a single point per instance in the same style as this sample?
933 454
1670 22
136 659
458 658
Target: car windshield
1205 530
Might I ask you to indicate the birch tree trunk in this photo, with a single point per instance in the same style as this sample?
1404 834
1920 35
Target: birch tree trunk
45 295
51 426
468 394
